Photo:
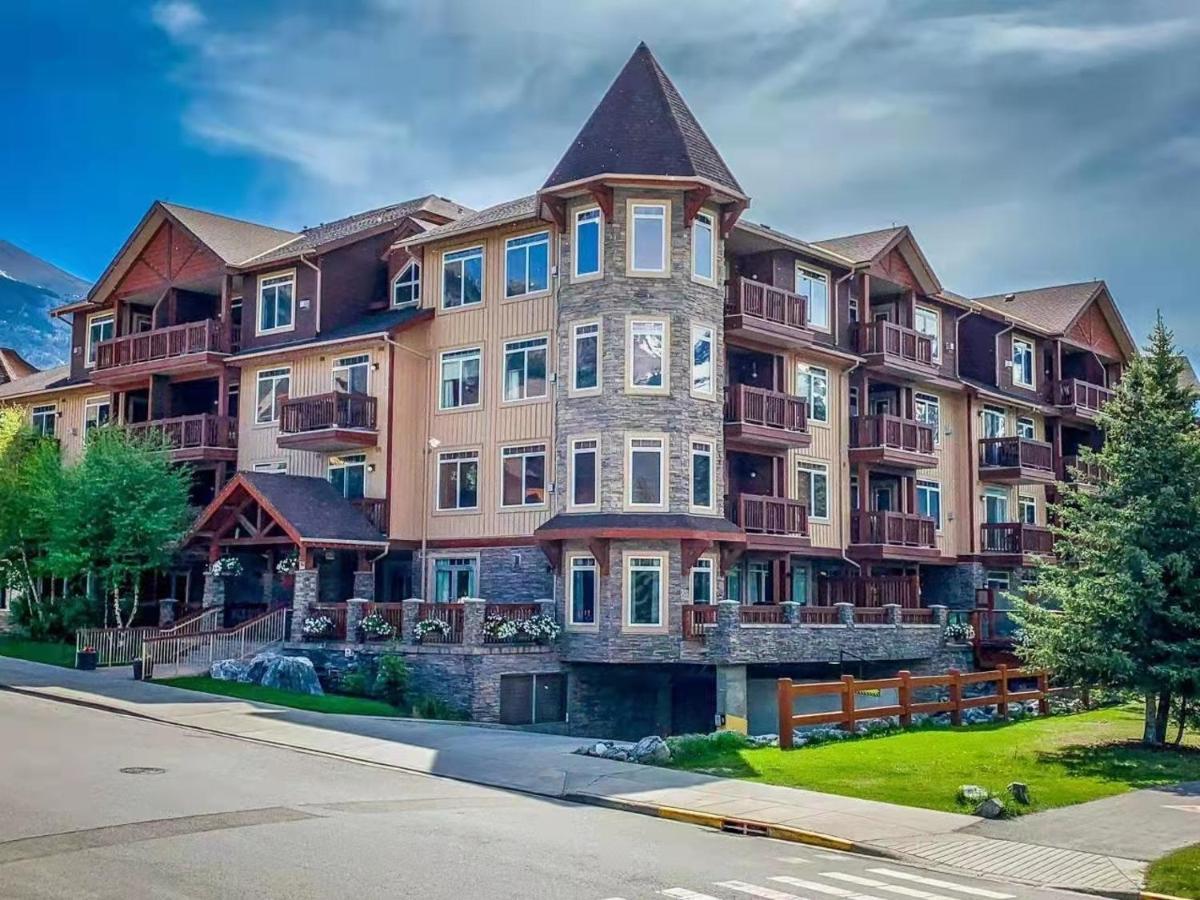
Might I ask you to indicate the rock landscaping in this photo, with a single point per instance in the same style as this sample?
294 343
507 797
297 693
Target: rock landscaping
287 673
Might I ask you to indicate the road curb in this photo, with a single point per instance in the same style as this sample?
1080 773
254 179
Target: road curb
1147 895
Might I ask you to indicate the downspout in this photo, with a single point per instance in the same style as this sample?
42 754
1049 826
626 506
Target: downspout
846 520
387 457
316 269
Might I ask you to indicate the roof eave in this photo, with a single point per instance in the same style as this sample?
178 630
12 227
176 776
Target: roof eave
722 193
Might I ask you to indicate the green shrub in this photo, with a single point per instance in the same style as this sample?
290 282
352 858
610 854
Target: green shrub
391 679
353 684
427 707
698 749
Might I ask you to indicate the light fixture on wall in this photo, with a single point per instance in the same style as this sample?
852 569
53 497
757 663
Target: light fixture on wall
370 467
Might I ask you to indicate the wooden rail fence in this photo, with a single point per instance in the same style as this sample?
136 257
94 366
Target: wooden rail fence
905 683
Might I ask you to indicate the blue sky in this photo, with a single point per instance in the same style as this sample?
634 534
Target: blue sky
1026 143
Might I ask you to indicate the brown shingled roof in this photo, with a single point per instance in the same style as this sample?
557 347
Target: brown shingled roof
13 365
1052 308
231 239
861 248
508 211
36 383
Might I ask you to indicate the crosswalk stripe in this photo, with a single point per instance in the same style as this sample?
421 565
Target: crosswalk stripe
884 886
685 894
755 890
793 859
820 888
840 857
947 885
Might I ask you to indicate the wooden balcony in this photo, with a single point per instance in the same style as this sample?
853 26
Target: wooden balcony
882 535
190 349
762 313
1087 474
1016 460
874 591
375 509
756 417
328 423
1079 400
893 349
891 441
770 523
1014 543
201 438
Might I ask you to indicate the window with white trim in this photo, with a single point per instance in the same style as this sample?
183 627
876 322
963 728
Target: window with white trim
647 355
812 383
644 580
100 328
352 374
646 468
703 498
585 472
1026 428
1022 362
462 278
648 238
44 420
704 247
927 409
523 476
582 590
276 303
589 241
812 488
585 357
997 581
1027 506
97 412
994 421
348 475
458 480
525 369
995 506
277 466
271 385
702 581
929 501
406 287
814 286
928 322
527 264
460 379
454 578
703 382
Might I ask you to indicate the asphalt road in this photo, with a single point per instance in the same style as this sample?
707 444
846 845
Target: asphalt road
99 805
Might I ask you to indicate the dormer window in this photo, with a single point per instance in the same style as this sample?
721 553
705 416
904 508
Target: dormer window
277 302
406 289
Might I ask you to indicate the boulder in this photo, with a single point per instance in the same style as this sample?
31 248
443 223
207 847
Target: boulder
991 808
229 670
619 754
1019 791
288 673
973 793
763 740
651 750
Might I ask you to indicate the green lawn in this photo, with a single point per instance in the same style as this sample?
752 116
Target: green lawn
54 654
1176 874
1063 759
327 703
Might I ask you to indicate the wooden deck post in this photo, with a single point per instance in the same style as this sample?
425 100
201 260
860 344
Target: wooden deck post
905 698
1002 691
955 696
784 698
848 695
1044 695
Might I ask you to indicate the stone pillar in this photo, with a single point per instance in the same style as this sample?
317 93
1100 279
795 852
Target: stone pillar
268 587
845 613
364 584
474 610
891 613
356 611
412 614
305 596
214 591
732 706
729 620
166 612
791 612
941 614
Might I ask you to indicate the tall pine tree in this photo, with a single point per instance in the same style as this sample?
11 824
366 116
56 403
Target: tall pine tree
1120 605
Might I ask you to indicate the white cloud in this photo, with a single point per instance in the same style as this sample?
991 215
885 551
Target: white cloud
178 18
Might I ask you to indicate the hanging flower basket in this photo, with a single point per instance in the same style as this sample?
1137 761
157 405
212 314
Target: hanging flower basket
432 628
376 628
289 565
317 627
542 629
226 566
959 632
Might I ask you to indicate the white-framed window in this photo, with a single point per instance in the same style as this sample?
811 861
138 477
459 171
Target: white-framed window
585 357
352 374
812 488
276 466
454 577
458 480
758 573
1022 362
406 286
348 474
525 369
929 501
646 472
648 247
928 410
1026 428
583 583
644 590
812 383
523 476
271 385
527 265
585 473
702 581
704 383
815 286
928 321
995 506
997 580
994 421
276 302
589 242
44 419
462 278
97 412
1027 506
704 247
703 471
647 355
100 327
460 379
852 309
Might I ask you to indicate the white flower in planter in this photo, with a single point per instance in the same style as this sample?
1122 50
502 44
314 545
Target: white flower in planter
226 565
317 626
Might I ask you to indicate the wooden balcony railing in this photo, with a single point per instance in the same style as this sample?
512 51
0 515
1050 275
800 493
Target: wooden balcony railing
335 612
756 300
451 614
392 613
891 340
892 432
820 615
1082 395
1015 453
1015 538
762 614
876 590
772 409
699 621
207 336
376 511
333 410
892 528
769 515
205 431
513 612
1075 469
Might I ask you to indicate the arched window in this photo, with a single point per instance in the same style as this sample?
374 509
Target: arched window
406 289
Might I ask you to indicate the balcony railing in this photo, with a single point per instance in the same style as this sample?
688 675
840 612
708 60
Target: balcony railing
769 515
891 432
876 590
333 410
1082 395
1015 538
1015 453
205 431
771 409
375 510
699 620
893 341
207 336
892 528
1075 469
767 303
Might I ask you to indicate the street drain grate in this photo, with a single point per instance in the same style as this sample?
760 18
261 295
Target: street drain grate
142 770
738 826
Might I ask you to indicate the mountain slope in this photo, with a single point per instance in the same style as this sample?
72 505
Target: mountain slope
29 288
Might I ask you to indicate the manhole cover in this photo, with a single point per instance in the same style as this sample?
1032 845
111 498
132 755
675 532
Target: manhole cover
142 770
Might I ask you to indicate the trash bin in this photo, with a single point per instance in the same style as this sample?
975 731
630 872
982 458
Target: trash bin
86 659
137 670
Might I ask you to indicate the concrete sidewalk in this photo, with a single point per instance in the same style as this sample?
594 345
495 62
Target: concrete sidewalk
545 765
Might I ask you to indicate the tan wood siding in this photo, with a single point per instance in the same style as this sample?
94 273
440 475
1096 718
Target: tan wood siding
829 446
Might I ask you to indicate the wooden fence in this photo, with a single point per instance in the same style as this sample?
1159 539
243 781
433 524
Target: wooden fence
905 683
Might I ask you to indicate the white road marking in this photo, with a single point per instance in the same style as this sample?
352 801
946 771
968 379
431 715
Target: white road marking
819 888
840 857
755 890
948 885
685 894
1185 808
884 886
793 859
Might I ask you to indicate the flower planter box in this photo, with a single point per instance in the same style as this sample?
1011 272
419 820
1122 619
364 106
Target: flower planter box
86 660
